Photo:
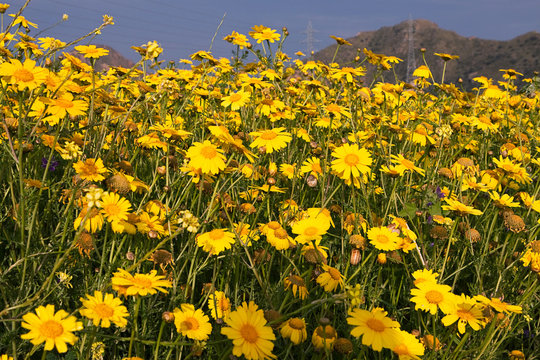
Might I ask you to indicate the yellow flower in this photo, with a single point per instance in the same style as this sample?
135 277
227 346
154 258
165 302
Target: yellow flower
446 57
114 207
192 323
55 329
466 311
503 201
324 337
310 229
351 162
248 331
23 75
429 296
424 275
207 157
422 72
297 285
93 220
219 305
271 139
340 41
294 329
103 309
91 51
139 284
235 100
460 208
403 164
4 356
262 33
383 238
409 347
91 169
215 241
330 279
377 330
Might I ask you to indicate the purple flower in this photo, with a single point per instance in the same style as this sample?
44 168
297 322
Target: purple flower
440 194
52 166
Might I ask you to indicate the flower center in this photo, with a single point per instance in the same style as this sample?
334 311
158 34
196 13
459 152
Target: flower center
190 324
296 280
351 159
434 297
90 169
465 314
249 333
23 75
208 152
268 135
334 274
142 282
104 310
375 325
51 329
296 324
281 233
235 97
382 239
311 231
112 209
216 234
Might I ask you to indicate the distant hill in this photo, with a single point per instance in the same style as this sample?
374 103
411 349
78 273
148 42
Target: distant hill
103 63
477 56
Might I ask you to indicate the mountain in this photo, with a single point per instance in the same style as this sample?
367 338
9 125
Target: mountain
103 63
477 57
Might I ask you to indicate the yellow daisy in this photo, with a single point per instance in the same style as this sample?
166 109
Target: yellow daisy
192 323
90 169
139 284
215 241
114 207
207 157
55 329
248 331
294 329
383 238
377 330
271 140
103 309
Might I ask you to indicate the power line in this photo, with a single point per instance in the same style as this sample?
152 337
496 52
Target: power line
310 40
411 62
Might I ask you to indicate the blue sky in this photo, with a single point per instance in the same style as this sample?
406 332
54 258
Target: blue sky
183 27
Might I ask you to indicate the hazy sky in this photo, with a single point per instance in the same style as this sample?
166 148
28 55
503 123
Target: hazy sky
183 27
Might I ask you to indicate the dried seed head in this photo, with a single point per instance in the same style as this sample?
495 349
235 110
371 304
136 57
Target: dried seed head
343 346
118 182
446 172
514 223
473 235
439 232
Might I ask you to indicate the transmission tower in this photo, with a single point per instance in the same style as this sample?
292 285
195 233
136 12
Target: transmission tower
310 40
411 62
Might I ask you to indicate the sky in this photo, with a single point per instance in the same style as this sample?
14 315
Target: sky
184 27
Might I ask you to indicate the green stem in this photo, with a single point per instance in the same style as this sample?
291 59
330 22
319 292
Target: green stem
135 325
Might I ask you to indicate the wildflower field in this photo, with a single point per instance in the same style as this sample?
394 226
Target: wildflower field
262 206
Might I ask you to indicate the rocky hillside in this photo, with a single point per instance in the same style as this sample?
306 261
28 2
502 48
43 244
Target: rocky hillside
103 63
476 56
